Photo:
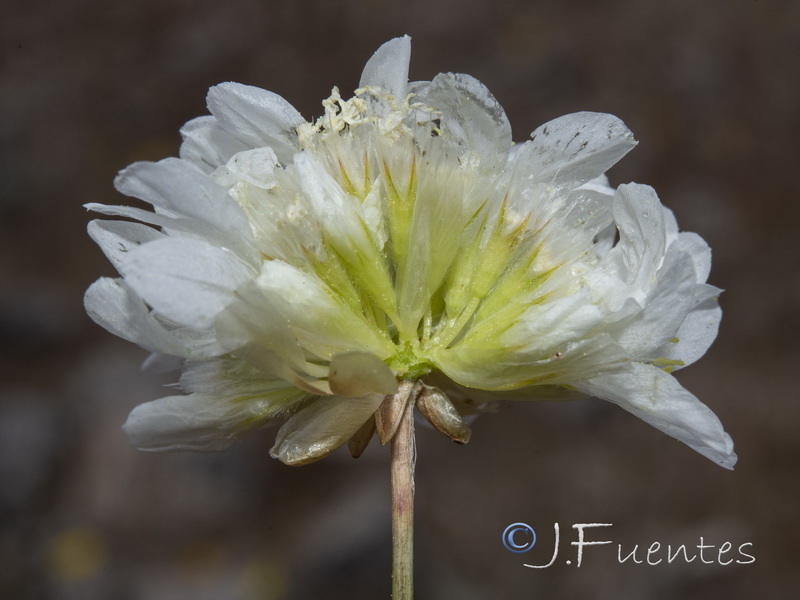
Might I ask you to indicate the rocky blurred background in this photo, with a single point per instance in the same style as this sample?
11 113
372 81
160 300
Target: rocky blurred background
711 90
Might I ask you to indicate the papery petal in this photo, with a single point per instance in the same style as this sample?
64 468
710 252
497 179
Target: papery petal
340 217
670 226
696 333
256 117
600 185
388 68
228 399
207 145
658 399
549 344
253 329
666 307
187 281
114 306
236 379
256 167
147 216
117 238
322 427
251 318
550 325
322 325
640 221
471 117
195 422
575 148
184 227
698 250
175 186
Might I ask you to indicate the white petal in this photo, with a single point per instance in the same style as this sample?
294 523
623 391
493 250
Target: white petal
145 216
341 218
640 221
322 427
322 325
666 307
253 329
113 305
504 369
256 117
175 186
471 117
550 325
599 184
698 330
552 343
187 281
338 212
575 148
192 422
388 67
229 398
256 167
195 422
235 379
698 249
670 226
604 241
117 238
658 399
207 145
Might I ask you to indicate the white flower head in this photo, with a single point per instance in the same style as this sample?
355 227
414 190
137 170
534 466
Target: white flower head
400 244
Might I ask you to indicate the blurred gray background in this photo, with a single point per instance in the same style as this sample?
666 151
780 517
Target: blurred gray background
711 91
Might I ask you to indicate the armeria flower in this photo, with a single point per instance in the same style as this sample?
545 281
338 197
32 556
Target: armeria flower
399 246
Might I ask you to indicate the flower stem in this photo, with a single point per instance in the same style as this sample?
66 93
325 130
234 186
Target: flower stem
403 459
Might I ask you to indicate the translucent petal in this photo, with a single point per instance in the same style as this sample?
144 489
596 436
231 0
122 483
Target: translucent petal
175 186
388 67
228 399
114 306
471 118
117 238
698 330
658 399
575 148
322 325
207 145
666 307
187 281
257 117
640 221
341 219
256 167
555 345
698 249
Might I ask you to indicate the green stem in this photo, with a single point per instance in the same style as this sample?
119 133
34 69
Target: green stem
403 459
